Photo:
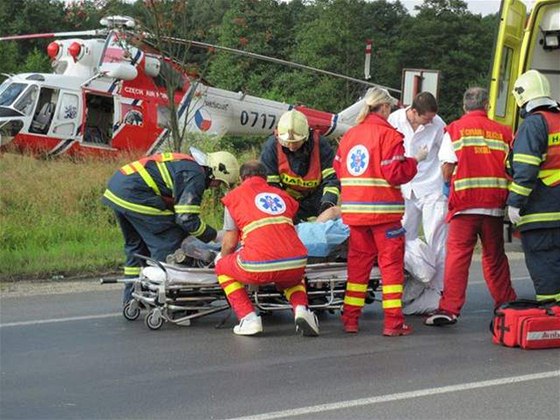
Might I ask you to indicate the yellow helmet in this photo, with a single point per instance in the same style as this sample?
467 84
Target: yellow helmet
292 127
224 167
530 85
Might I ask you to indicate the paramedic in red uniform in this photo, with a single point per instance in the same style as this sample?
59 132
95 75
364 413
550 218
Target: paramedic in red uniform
473 157
260 216
300 161
370 164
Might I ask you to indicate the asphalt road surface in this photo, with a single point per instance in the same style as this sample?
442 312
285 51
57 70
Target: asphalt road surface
72 355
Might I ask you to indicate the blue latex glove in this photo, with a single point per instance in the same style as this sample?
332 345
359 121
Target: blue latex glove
446 187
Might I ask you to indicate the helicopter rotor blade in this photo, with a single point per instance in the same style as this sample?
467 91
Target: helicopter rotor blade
273 60
93 32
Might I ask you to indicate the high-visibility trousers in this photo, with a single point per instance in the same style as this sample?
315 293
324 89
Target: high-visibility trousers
232 279
386 243
464 230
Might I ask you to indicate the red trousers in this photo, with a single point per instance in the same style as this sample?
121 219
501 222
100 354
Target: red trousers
231 278
462 235
386 242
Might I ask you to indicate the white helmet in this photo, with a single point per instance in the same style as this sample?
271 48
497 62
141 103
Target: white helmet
530 85
224 167
292 127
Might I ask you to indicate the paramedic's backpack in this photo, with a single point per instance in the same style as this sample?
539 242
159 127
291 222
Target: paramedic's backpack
528 324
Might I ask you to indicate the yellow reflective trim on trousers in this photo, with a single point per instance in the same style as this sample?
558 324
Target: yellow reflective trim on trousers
224 278
267 266
480 142
549 177
518 189
372 208
164 172
291 290
273 179
327 172
132 271
528 159
229 289
137 208
480 182
356 287
332 190
360 182
539 217
267 221
200 229
392 288
392 303
184 208
349 300
547 297
146 177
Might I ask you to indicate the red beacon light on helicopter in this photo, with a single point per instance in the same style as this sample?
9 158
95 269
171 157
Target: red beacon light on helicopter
75 51
53 50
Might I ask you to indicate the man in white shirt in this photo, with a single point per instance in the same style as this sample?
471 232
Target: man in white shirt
425 202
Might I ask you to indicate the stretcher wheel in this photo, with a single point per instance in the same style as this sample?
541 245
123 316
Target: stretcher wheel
154 320
131 311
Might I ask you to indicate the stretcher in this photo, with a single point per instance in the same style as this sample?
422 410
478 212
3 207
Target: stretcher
178 294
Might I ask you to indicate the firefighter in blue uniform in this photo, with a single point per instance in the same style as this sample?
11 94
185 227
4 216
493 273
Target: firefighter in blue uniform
534 199
300 161
157 199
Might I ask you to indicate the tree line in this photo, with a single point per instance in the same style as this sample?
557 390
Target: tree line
328 34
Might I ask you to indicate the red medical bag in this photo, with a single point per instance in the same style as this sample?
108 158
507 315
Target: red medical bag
528 324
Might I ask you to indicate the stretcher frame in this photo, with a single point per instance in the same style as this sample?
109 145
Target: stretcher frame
179 302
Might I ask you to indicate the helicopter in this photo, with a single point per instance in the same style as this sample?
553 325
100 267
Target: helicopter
106 96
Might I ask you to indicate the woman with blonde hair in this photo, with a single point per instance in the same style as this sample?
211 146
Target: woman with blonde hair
370 164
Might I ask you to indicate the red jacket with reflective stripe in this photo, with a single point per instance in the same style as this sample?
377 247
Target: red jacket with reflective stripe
552 162
263 214
370 164
312 179
479 179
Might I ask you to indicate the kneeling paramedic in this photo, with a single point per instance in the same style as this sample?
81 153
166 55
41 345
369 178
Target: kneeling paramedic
261 217
300 161
157 199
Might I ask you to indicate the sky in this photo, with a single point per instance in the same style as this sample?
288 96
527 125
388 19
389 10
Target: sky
484 7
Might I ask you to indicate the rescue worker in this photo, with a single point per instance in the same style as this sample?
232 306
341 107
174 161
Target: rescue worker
425 204
157 199
473 153
299 160
260 217
370 164
534 198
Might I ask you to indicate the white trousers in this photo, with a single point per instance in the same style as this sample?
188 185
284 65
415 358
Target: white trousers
428 213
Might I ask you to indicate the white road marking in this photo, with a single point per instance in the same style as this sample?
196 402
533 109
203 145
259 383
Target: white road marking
400 396
54 320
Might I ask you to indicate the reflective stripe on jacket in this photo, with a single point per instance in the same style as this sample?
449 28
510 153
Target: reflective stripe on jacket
479 179
264 214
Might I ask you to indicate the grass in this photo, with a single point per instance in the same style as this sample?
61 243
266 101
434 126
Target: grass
52 221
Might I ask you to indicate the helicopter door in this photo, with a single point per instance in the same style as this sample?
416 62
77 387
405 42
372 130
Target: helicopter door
507 53
65 122
98 129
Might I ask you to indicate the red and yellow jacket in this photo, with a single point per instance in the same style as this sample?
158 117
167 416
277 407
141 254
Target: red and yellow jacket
370 164
264 214
482 147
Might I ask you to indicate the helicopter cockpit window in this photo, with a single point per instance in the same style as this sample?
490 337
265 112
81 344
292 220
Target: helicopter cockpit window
10 93
27 101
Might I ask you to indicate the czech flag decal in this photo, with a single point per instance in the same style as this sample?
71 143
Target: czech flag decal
202 120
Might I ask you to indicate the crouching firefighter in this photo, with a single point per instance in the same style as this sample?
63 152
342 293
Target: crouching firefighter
260 216
157 199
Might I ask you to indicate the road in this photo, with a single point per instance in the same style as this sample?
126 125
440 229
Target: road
72 355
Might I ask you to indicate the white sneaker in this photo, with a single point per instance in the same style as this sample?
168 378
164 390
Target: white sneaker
249 325
306 322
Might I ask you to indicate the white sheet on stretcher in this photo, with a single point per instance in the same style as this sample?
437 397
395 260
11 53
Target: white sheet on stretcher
207 276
